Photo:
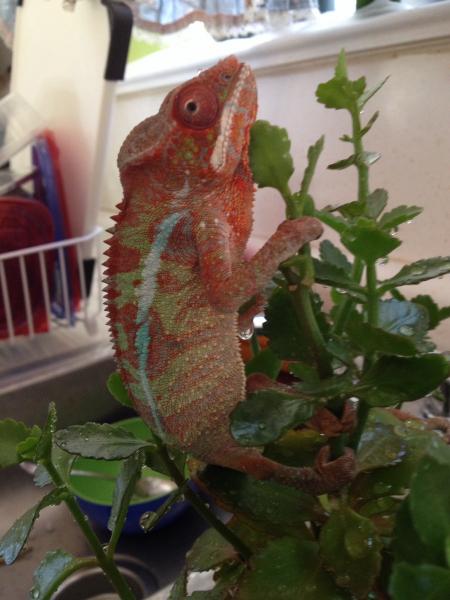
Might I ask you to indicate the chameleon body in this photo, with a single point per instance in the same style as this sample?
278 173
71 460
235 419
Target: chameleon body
176 275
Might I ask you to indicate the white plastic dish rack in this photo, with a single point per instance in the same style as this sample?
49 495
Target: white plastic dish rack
90 305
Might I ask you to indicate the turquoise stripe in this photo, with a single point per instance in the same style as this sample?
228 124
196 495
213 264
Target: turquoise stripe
146 293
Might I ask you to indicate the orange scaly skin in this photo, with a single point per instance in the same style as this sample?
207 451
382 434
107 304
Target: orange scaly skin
176 275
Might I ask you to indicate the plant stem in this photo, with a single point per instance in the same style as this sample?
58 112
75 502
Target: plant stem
345 308
256 349
372 294
200 507
105 562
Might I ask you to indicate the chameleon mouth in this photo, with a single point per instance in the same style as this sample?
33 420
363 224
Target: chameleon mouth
241 103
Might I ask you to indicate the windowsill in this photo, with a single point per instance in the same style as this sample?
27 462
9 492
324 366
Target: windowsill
308 42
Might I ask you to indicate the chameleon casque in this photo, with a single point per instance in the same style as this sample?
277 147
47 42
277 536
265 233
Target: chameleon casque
176 276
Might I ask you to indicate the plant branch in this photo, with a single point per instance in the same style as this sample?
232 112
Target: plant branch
105 562
200 507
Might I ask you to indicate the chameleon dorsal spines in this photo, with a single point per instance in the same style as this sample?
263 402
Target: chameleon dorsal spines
177 274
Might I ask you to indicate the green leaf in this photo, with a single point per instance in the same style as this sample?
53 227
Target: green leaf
11 434
47 576
117 390
340 92
270 158
44 444
124 488
398 215
364 98
266 415
367 242
326 389
430 502
374 339
431 307
380 446
329 253
370 123
351 549
352 210
288 569
329 274
226 582
407 545
419 582
416 272
93 440
26 449
337 223
303 372
209 551
393 379
343 164
282 327
314 153
264 362
376 202
179 591
14 539
276 508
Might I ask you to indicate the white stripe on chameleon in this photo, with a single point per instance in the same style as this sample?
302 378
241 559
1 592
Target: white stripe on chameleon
145 294
231 105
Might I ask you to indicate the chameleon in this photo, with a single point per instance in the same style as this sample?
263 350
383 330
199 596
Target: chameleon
176 274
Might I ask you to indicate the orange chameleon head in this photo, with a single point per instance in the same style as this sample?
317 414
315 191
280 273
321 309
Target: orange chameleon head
200 134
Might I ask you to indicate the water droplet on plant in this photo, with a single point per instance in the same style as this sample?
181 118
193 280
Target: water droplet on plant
261 425
35 593
246 334
147 519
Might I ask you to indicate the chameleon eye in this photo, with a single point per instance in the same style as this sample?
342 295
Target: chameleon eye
196 106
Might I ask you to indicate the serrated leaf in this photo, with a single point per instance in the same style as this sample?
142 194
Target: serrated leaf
340 92
416 272
419 582
226 581
394 379
374 339
270 157
370 123
123 490
26 449
117 390
429 503
337 223
46 578
367 242
376 203
398 215
290 569
179 591
44 444
330 254
94 440
275 508
11 434
14 539
264 362
352 210
351 548
329 274
266 415
342 164
380 446
313 155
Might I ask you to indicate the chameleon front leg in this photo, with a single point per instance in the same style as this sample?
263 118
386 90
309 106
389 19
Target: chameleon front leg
230 283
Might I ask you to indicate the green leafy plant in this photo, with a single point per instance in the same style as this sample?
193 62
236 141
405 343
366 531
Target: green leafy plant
384 535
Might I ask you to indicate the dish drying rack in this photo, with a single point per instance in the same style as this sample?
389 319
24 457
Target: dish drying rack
64 314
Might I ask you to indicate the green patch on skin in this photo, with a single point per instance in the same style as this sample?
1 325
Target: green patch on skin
132 236
122 340
125 283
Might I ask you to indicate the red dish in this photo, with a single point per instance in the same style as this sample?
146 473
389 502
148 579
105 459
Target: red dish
24 223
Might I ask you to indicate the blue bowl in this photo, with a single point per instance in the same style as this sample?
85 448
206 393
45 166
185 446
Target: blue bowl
94 495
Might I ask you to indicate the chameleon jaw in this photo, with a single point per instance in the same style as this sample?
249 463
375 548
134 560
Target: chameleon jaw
222 146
